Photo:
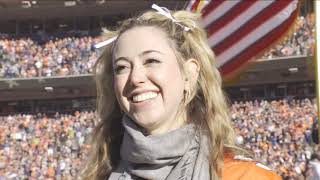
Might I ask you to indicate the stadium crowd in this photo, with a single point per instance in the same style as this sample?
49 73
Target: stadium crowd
40 147
278 133
25 58
302 41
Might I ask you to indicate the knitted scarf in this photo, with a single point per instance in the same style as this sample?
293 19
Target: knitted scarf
176 155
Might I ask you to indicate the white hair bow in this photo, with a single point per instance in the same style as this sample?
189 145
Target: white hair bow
161 10
164 11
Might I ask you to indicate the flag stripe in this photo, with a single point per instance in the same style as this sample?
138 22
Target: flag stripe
190 5
255 35
228 17
202 4
237 23
219 11
270 12
195 5
210 7
264 42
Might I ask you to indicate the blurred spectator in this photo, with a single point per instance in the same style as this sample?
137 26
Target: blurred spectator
313 167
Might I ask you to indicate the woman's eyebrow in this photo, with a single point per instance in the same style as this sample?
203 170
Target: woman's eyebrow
121 58
141 54
149 51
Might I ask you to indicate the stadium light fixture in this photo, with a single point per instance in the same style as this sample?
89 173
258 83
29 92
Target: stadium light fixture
25 4
70 3
101 1
244 89
282 86
63 25
293 70
48 89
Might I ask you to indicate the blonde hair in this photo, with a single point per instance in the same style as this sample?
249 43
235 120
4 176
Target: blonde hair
206 104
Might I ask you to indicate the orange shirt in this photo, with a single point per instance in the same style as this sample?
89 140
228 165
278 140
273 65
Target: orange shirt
246 170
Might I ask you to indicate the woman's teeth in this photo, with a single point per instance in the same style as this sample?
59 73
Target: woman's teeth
144 96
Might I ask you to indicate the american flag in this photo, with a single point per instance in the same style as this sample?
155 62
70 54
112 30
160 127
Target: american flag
241 30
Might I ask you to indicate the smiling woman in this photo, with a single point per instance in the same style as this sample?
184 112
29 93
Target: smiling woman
163 112
148 82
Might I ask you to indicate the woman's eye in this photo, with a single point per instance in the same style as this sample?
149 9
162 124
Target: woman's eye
151 61
119 69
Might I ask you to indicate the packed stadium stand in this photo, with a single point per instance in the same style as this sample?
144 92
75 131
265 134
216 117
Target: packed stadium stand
47 93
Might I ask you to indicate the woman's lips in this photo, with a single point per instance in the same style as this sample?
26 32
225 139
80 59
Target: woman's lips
144 96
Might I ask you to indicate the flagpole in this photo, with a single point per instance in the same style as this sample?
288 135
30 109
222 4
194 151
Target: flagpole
317 58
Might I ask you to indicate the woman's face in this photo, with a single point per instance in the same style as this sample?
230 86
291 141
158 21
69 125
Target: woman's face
148 82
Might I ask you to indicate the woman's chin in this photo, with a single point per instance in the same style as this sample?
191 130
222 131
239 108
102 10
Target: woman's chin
146 123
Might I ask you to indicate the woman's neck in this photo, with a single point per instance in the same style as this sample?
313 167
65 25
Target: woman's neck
178 121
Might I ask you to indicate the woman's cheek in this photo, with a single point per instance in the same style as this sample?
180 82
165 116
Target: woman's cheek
118 89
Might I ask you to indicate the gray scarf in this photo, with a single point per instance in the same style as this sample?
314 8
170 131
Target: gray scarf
178 154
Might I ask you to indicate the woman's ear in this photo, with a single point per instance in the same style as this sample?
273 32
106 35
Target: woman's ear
192 68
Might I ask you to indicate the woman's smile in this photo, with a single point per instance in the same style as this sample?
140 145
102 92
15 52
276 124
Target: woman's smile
144 97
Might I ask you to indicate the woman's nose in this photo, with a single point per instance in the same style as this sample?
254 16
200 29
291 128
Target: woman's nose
137 76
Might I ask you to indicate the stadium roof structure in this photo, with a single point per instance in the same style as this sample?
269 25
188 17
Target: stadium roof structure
47 87
46 9
277 70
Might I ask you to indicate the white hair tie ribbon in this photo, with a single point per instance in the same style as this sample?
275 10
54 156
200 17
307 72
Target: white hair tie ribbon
106 42
165 12
161 10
